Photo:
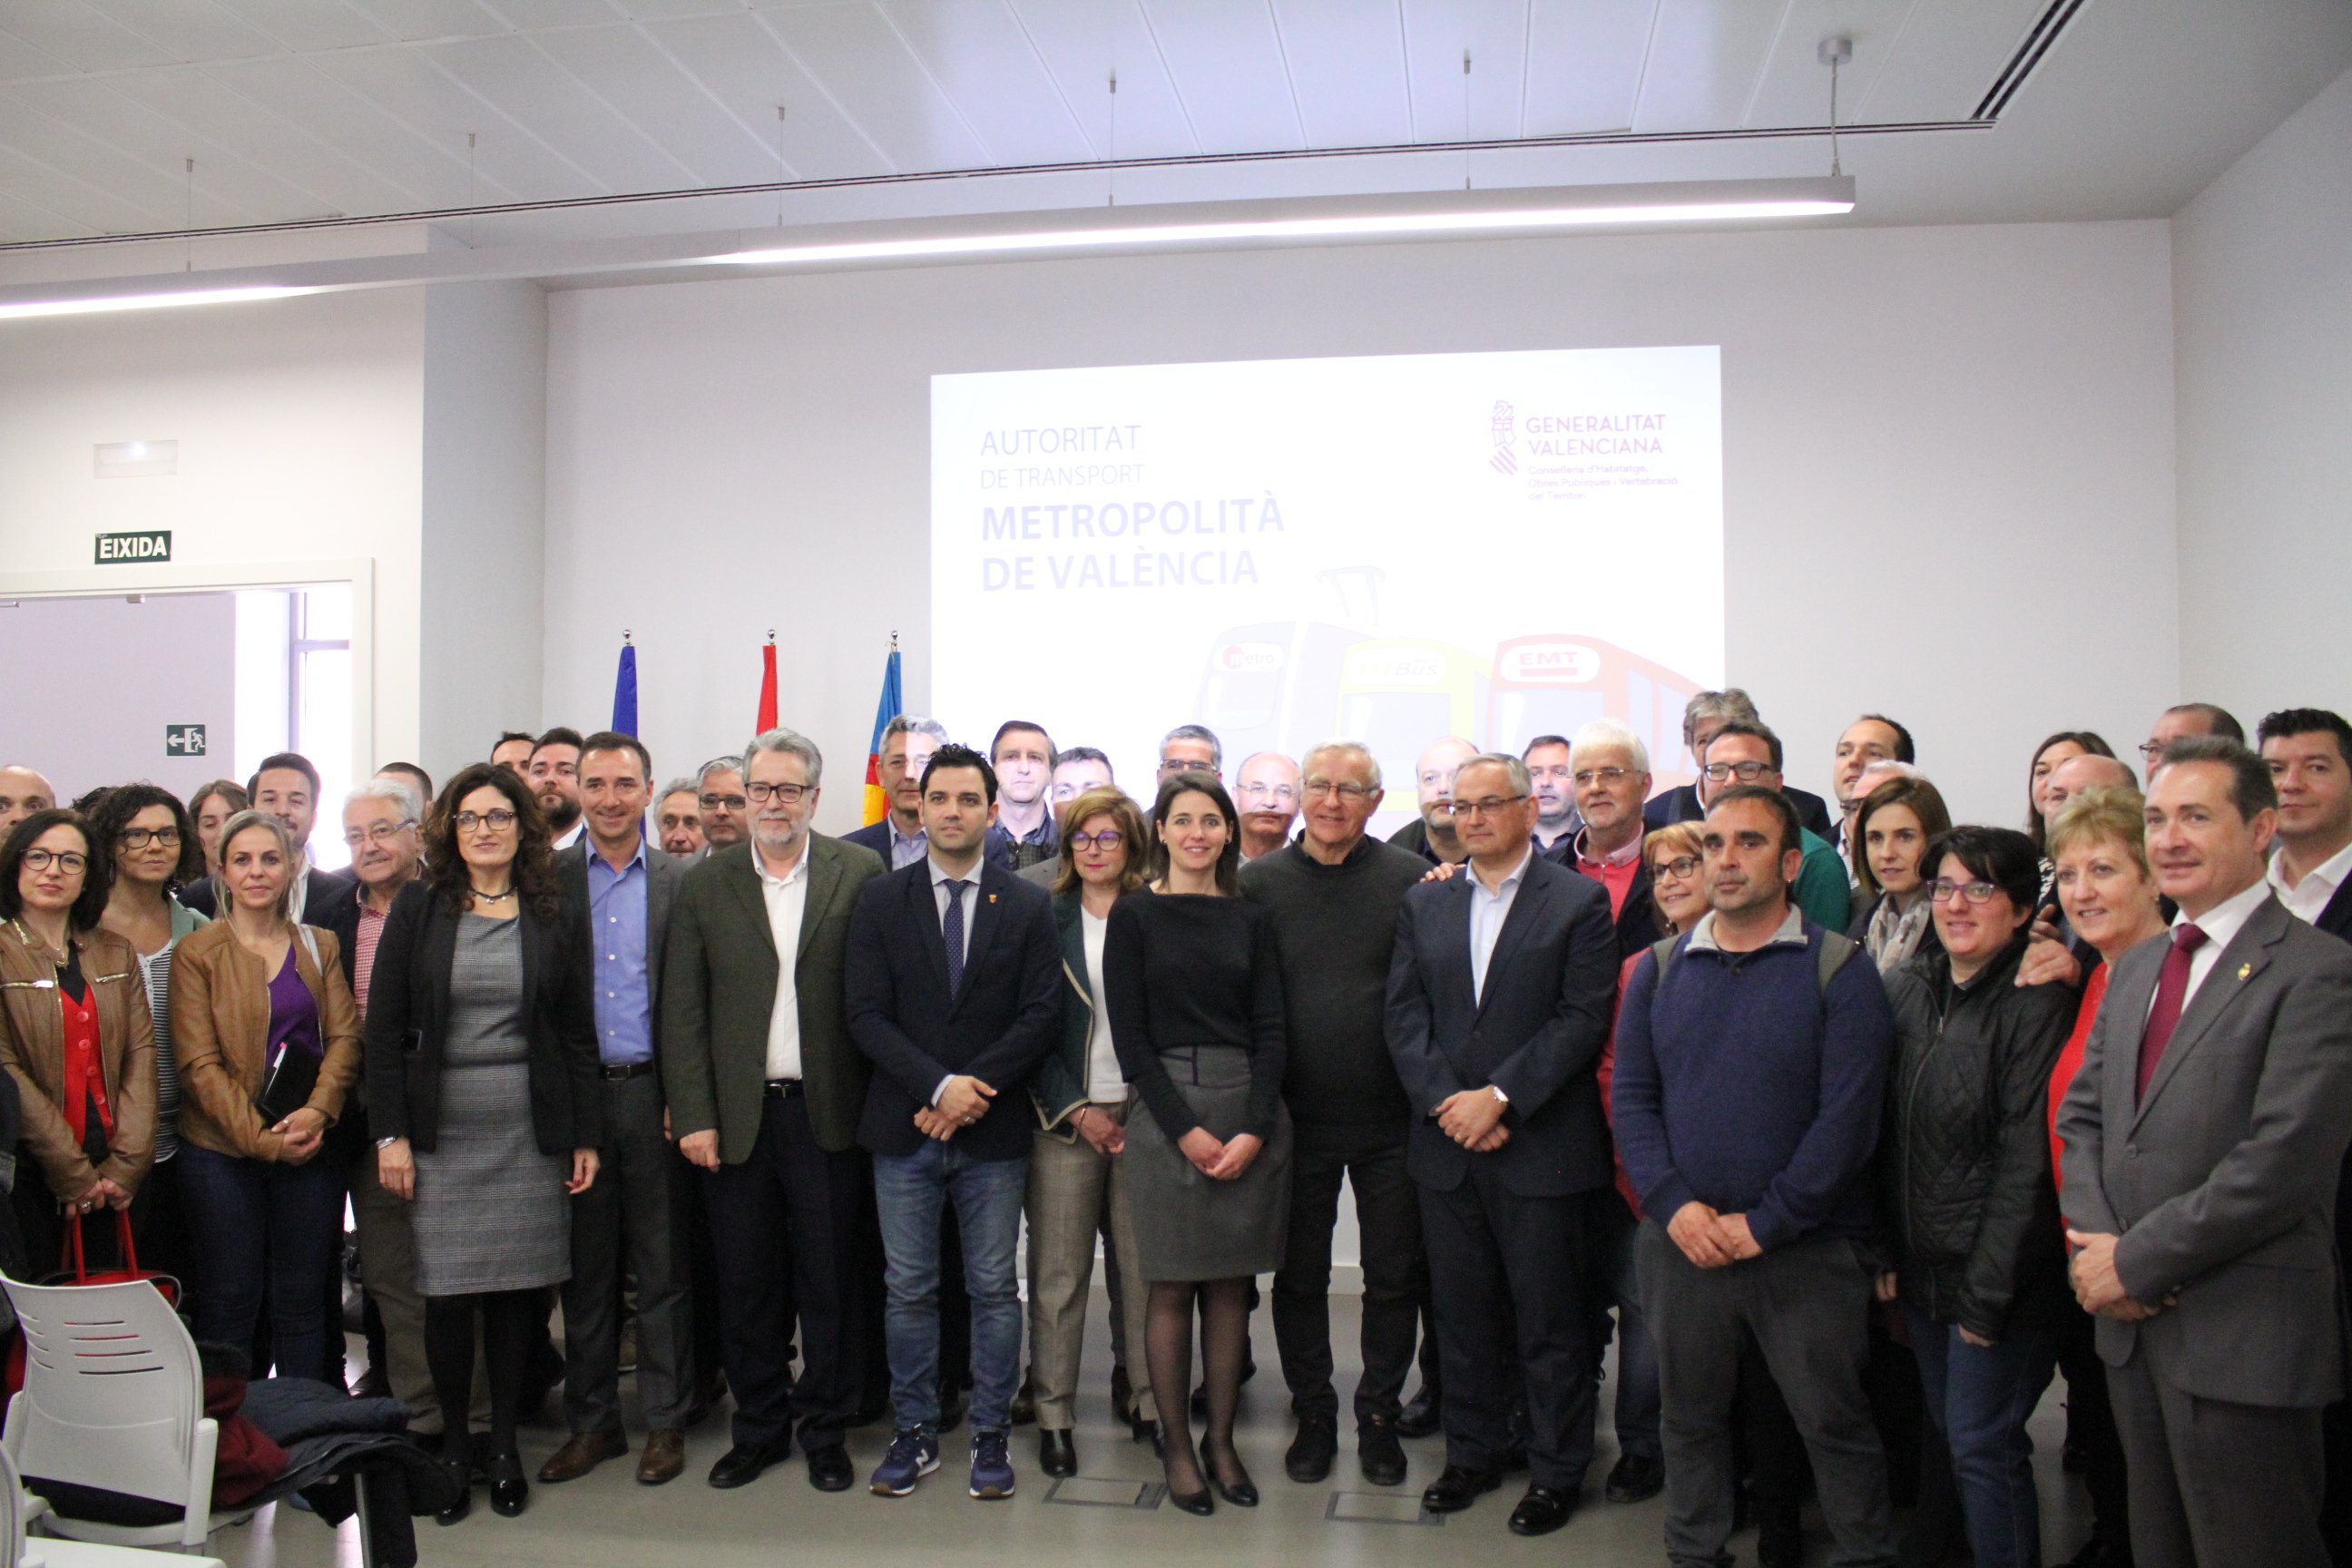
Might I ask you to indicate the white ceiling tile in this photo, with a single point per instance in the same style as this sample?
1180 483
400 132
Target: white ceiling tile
24 221
1706 59
305 24
419 19
297 92
1084 42
1345 60
981 58
667 10
20 61
536 15
195 99
1227 64
1795 88
534 93
1491 101
855 57
1947 58
129 124
190 31
45 163
84 37
1584 57
406 84
97 159
643 84
745 69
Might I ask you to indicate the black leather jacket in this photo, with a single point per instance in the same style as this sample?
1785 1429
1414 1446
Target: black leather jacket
1969 1205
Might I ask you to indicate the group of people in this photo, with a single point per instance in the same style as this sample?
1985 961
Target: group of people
1851 1127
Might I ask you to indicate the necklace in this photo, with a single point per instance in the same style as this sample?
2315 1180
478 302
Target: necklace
482 898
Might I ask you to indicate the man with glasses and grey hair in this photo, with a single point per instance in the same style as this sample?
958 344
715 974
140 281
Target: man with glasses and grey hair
765 1088
1703 718
1335 893
908 742
1191 748
724 808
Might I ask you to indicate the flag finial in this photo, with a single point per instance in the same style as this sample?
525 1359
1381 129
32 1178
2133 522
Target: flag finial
625 637
894 642
771 637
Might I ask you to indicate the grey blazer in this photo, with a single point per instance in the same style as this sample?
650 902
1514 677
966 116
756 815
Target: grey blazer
664 874
2221 1181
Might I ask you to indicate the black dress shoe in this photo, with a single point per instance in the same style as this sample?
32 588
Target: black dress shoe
1635 1480
1023 1409
1057 1454
742 1465
1200 1502
1379 1454
1458 1488
1242 1493
952 1408
1541 1511
1419 1417
828 1468
508 1490
1308 1462
460 1475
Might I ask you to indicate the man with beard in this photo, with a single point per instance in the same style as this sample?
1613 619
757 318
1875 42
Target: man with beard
555 775
1431 836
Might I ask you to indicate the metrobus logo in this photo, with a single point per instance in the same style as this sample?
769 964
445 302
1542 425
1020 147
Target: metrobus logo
1551 664
1249 658
1394 667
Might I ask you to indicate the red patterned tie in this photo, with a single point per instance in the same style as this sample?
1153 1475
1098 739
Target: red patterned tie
2171 986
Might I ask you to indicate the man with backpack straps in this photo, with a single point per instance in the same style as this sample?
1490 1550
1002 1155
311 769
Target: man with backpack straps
1751 1063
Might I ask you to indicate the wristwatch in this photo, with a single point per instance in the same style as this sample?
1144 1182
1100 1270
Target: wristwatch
387 1142
1500 1098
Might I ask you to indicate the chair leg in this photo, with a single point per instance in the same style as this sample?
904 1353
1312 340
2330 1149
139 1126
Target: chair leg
367 1521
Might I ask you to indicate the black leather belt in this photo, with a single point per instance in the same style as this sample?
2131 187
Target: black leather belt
621 1072
784 1089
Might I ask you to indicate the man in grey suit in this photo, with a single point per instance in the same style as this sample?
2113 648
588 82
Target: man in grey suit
765 1089
624 887
2203 1138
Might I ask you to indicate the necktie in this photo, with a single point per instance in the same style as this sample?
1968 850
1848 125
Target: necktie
2171 986
951 933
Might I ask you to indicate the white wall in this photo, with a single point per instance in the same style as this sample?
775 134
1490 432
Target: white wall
2262 295
1948 459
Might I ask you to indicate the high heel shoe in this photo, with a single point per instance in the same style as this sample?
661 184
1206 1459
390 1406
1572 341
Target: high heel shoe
1242 1493
460 1474
1201 1503
1151 1432
508 1490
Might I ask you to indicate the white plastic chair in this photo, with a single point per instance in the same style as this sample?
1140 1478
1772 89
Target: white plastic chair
18 1506
114 1398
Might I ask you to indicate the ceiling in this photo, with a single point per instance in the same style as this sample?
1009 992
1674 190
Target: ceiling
534 115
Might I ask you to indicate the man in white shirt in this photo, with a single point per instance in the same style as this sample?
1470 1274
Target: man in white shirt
2309 751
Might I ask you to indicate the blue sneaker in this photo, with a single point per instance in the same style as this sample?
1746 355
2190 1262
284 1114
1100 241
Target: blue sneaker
992 1465
914 1454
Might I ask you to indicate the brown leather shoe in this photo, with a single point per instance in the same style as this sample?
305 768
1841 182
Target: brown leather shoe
584 1453
664 1458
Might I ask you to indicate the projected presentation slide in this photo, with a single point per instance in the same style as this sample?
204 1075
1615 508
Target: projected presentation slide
1389 550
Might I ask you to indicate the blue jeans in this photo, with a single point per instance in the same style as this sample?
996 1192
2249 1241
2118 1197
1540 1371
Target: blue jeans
1638 1396
1978 1398
908 1191
253 1222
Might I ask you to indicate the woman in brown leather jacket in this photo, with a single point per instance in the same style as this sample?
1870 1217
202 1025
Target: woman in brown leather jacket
269 1044
76 1034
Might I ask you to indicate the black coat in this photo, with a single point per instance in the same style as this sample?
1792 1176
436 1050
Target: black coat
407 1024
1680 804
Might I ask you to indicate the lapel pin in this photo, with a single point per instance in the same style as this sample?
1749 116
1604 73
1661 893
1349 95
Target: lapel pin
2244 970
992 898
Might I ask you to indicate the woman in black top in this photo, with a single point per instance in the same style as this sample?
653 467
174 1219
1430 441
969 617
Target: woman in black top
1195 997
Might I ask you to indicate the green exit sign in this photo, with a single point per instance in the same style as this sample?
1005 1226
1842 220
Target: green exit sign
125 549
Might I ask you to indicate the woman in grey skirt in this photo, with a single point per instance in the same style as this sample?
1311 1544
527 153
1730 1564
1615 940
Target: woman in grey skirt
1195 998
481 1084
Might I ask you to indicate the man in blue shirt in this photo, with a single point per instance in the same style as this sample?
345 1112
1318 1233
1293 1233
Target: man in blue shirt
639 1201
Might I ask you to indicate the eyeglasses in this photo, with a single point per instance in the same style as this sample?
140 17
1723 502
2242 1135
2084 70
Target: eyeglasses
1611 777
498 820
1281 795
72 862
1486 808
2152 750
784 794
1679 867
1351 793
140 837
723 803
1943 893
385 832
1748 771
1108 838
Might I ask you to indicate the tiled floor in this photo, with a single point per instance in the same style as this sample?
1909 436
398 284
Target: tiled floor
607 1520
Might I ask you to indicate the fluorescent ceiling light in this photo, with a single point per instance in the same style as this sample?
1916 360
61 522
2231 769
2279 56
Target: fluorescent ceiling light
1416 215
95 305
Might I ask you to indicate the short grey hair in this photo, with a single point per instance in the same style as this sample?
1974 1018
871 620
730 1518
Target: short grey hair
679 786
1522 781
1612 735
791 743
716 766
1730 703
1196 732
911 724
411 810
1353 749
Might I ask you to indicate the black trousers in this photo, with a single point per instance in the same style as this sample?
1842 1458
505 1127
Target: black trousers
1387 1219
785 1225
1495 1255
2215 1485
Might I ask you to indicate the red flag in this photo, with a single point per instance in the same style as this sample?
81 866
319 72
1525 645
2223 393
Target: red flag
767 720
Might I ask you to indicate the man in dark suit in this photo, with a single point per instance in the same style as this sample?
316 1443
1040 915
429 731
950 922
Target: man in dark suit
954 992
766 1088
1498 1003
908 742
1704 717
2204 1139
285 786
621 890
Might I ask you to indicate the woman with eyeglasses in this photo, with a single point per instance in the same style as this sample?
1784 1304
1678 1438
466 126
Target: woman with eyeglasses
1981 1261
1891 829
482 1091
1076 1164
268 1042
75 1035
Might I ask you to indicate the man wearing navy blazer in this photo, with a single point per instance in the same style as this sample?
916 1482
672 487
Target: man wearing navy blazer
2204 1137
1499 996
953 990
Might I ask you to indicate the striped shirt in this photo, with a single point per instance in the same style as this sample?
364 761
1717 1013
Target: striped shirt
156 968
